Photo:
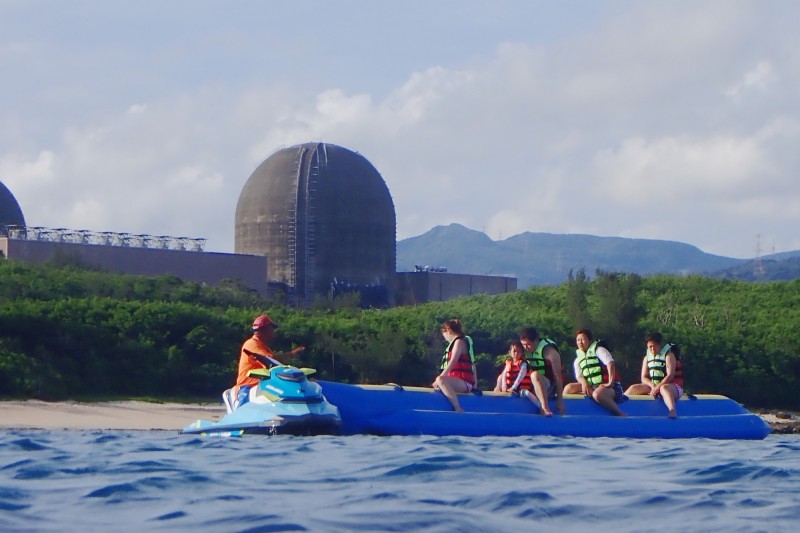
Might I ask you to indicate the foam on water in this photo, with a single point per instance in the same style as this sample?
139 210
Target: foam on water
129 481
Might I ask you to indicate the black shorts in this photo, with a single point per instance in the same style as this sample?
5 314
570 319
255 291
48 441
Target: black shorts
619 395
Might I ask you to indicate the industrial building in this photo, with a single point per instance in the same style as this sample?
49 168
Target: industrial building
143 255
431 286
10 212
313 221
323 216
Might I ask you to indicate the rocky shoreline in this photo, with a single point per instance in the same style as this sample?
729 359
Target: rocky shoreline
781 422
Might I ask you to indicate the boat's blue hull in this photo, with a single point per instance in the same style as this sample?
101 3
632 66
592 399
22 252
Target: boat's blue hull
272 418
393 410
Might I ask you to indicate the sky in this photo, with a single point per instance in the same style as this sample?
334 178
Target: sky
647 119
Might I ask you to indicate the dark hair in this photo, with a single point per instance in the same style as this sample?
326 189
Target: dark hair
586 332
655 337
517 343
454 325
528 334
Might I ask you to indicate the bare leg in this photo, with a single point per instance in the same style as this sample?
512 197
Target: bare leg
638 389
498 387
605 397
540 386
668 393
450 387
572 388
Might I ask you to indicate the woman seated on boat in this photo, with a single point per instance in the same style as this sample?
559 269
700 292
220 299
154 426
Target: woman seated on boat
458 366
517 378
596 373
662 372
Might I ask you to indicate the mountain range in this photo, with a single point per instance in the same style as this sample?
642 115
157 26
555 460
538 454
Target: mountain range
547 258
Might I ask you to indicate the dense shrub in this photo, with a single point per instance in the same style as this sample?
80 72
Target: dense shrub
67 332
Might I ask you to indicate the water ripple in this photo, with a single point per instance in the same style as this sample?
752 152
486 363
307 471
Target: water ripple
156 480
28 445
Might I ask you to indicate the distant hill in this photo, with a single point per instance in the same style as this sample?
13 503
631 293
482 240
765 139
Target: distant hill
783 255
768 269
547 258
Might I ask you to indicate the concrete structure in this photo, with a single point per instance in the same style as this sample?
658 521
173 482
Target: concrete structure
10 212
324 218
314 219
202 267
427 286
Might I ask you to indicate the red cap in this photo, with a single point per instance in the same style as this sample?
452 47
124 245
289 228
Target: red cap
263 321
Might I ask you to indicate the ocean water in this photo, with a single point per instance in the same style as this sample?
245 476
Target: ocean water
155 480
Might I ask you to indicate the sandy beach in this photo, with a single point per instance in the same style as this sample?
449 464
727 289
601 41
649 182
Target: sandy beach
35 414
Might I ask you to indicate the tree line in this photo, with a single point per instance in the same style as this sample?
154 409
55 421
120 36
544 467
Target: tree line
69 332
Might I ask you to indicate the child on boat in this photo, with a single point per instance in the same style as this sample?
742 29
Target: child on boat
516 378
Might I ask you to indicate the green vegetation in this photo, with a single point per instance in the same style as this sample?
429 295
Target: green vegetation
67 332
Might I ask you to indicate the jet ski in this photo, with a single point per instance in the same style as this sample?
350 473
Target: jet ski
284 401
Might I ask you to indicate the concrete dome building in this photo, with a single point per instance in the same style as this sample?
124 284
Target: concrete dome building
10 213
325 219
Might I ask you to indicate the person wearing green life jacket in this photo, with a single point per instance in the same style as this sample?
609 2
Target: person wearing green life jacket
543 355
662 372
457 371
596 373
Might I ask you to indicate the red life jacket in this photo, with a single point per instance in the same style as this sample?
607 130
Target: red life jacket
463 367
513 367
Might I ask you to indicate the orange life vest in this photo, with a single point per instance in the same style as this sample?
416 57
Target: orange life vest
513 369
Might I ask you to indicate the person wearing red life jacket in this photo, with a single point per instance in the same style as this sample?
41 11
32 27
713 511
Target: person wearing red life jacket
517 378
458 366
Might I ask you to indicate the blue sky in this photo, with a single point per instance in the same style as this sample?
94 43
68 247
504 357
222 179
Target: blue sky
665 120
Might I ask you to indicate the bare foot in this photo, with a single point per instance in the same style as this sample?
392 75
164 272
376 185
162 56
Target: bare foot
672 414
459 410
547 413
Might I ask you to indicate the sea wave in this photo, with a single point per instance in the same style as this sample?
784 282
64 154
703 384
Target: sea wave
126 481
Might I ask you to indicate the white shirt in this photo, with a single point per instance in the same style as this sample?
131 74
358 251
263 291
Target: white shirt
602 354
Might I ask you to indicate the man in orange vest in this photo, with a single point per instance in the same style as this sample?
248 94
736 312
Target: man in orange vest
256 353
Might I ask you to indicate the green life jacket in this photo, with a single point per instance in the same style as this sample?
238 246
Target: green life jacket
592 368
657 365
536 359
449 346
464 367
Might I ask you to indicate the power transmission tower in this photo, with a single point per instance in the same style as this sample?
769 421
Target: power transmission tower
758 265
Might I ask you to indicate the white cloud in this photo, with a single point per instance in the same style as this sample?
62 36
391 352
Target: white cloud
672 169
21 171
758 79
494 125
137 109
